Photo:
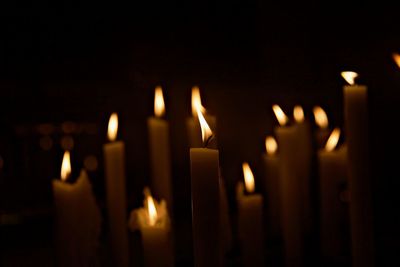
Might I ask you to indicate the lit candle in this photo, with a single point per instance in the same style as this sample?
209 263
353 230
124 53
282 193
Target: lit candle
304 165
155 226
356 128
321 121
114 160
334 212
272 188
250 220
78 218
205 201
192 123
160 160
290 193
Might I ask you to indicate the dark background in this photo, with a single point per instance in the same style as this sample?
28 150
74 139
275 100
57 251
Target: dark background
75 62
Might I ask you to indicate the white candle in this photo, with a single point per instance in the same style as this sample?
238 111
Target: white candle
159 145
334 213
290 190
272 188
155 226
304 164
78 219
356 128
192 123
250 222
204 163
114 160
322 132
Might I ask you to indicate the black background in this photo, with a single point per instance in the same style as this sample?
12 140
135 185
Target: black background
80 61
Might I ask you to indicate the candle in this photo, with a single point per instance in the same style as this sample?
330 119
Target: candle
272 188
78 218
250 220
204 163
114 160
334 211
304 165
159 147
356 127
155 226
192 123
321 120
290 193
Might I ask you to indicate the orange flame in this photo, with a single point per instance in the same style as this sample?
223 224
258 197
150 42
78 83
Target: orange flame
248 178
66 166
159 106
349 76
280 115
271 145
333 140
396 58
112 127
298 114
196 101
321 119
206 132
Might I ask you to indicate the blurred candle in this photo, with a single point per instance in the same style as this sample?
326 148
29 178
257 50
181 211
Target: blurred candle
192 123
114 160
304 165
205 201
356 127
226 229
322 123
290 193
272 188
159 147
250 220
78 219
334 212
155 226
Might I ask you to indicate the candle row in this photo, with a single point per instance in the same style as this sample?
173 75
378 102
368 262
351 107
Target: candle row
288 182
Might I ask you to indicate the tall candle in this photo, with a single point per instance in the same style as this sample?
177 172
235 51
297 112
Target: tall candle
291 197
204 163
155 226
250 221
78 219
304 165
356 127
160 160
334 212
272 188
321 121
192 123
114 160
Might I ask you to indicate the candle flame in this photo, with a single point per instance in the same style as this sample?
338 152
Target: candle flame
159 106
333 140
271 145
321 119
196 101
66 166
152 211
248 178
349 76
206 132
280 115
112 127
396 58
298 114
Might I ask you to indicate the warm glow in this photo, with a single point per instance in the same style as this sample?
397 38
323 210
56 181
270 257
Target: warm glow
66 166
152 211
396 57
159 107
206 132
196 101
112 127
280 115
321 119
333 140
271 145
298 113
349 76
248 178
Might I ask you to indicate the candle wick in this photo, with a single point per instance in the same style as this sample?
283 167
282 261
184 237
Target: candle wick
207 142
